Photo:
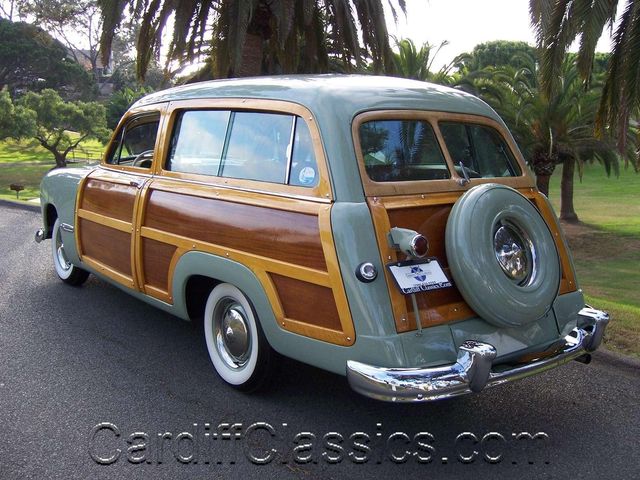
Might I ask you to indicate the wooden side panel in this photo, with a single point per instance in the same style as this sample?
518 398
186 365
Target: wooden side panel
430 221
106 245
438 306
110 199
307 303
156 262
287 236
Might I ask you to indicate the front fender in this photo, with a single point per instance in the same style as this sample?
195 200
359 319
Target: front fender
59 188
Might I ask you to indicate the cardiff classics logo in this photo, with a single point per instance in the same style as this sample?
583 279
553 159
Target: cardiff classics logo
418 273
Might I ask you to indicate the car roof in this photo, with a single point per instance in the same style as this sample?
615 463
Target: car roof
340 94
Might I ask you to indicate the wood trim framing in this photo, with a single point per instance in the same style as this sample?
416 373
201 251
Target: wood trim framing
321 191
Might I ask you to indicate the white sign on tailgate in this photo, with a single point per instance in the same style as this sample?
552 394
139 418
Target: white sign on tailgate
419 277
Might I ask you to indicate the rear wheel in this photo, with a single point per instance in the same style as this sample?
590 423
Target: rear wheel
237 346
67 272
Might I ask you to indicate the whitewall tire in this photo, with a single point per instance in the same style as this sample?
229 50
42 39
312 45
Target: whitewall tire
237 346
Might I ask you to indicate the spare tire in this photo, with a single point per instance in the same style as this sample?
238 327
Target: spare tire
502 256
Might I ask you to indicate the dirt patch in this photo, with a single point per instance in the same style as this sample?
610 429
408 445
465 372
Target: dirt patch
588 243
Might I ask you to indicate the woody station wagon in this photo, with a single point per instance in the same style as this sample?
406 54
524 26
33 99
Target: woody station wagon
383 229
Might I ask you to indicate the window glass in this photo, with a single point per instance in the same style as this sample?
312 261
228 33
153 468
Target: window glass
198 140
481 149
304 168
401 150
137 141
258 147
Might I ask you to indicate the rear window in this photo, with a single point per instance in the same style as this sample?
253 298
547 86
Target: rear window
401 150
480 149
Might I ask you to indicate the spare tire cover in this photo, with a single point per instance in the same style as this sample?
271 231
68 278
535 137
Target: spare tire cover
485 220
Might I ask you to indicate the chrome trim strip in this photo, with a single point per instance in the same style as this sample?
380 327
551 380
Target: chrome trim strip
66 227
473 370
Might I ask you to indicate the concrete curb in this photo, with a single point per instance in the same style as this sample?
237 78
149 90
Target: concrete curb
20 205
618 360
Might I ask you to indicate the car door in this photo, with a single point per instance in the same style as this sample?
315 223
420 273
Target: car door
110 198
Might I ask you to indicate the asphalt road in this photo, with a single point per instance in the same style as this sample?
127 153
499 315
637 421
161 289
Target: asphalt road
95 384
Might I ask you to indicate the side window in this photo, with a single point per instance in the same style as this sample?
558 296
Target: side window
263 146
136 143
304 168
198 140
258 147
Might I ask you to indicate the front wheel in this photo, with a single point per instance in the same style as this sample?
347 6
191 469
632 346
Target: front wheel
67 272
237 346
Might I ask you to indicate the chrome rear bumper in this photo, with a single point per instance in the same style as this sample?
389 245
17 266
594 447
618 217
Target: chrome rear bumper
473 370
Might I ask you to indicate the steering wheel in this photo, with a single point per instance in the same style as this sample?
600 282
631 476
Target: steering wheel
143 159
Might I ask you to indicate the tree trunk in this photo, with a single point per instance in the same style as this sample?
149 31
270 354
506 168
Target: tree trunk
567 211
251 60
542 182
61 159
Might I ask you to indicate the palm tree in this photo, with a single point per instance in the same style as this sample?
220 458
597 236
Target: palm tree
416 64
253 37
550 130
559 22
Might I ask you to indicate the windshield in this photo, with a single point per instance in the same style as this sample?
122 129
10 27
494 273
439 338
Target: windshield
408 150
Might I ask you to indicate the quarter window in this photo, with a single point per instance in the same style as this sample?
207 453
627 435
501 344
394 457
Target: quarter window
304 169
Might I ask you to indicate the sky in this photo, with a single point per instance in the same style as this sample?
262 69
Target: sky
466 23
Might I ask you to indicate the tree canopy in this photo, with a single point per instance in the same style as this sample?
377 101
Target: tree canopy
253 37
550 130
496 53
417 63
559 23
76 23
30 59
57 125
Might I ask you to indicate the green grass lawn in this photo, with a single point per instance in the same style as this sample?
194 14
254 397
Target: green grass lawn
610 203
26 162
607 249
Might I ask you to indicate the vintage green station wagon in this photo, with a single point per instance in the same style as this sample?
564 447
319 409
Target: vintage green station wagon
379 228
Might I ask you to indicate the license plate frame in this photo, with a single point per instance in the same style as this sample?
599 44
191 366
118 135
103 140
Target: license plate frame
413 276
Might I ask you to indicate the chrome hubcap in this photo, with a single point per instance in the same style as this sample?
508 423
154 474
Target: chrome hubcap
60 253
515 253
232 333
